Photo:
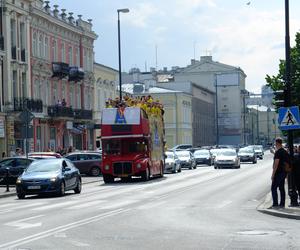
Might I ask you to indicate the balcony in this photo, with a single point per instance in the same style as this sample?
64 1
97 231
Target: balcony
83 114
60 69
33 105
60 111
76 74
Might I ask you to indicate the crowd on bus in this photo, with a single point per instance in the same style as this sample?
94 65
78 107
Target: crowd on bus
150 106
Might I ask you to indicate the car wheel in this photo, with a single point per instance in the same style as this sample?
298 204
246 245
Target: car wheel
146 175
179 170
62 189
21 196
174 169
95 171
209 163
77 190
108 178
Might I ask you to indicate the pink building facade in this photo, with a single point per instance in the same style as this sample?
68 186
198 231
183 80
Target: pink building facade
61 72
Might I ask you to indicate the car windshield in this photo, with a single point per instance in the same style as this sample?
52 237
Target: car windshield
202 153
44 166
245 150
170 155
227 153
258 147
183 153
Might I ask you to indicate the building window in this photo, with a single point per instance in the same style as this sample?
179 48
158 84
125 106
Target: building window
23 42
40 48
63 52
24 85
54 51
78 93
77 57
13 39
71 55
46 48
71 96
55 93
63 91
15 84
34 44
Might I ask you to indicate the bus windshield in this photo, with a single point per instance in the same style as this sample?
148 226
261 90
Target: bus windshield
117 147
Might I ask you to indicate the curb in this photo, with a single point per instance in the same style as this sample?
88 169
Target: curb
13 192
280 212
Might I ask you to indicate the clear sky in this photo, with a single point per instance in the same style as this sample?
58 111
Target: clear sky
250 36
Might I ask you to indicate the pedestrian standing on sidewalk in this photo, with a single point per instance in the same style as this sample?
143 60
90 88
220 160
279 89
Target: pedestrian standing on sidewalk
278 174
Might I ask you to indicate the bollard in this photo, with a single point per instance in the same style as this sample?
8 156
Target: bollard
7 179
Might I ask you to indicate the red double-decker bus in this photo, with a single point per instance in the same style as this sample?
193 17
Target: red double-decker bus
132 144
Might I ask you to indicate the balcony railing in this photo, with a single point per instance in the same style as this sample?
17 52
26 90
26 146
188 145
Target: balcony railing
83 114
60 111
60 69
76 74
33 105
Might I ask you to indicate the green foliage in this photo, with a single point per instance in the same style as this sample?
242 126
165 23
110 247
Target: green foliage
278 82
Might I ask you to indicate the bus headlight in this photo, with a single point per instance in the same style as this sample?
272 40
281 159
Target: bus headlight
19 181
138 165
106 167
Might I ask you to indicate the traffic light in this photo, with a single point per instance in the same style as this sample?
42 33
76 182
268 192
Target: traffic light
279 98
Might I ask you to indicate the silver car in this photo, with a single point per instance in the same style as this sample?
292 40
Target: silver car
186 159
227 158
172 163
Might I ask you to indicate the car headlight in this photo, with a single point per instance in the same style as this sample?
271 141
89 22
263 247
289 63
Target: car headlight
138 165
53 179
106 167
19 181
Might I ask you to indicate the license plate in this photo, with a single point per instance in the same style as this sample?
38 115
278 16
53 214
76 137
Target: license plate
34 187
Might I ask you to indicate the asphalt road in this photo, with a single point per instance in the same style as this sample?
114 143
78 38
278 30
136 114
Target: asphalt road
196 209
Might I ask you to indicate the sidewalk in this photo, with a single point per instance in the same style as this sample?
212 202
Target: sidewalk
286 212
12 189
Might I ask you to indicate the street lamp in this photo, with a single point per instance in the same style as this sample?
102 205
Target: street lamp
119 45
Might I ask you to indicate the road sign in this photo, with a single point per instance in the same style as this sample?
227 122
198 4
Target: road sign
26 116
289 118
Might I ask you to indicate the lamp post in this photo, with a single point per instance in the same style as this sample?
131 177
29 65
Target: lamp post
268 123
119 45
291 177
257 124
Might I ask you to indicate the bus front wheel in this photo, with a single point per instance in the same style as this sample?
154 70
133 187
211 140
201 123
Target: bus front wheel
108 178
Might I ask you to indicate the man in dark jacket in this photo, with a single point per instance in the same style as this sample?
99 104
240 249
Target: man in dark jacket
278 175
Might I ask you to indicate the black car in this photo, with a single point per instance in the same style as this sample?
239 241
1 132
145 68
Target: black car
15 167
54 176
87 162
203 156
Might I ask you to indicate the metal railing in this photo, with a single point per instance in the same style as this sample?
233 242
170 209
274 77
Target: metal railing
33 105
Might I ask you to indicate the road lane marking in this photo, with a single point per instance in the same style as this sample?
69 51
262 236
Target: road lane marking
54 231
224 204
87 204
23 224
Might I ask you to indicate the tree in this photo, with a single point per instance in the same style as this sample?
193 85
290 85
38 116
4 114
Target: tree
278 82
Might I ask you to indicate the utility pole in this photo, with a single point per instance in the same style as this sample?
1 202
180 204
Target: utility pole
288 102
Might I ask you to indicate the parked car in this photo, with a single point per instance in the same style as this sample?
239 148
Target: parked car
247 154
171 163
54 176
182 147
42 155
186 159
203 156
15 166
87 162
227 158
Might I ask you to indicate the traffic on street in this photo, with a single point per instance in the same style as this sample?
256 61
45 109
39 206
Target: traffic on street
179 211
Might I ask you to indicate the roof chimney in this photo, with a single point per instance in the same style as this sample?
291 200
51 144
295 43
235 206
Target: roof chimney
206 59
55 11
